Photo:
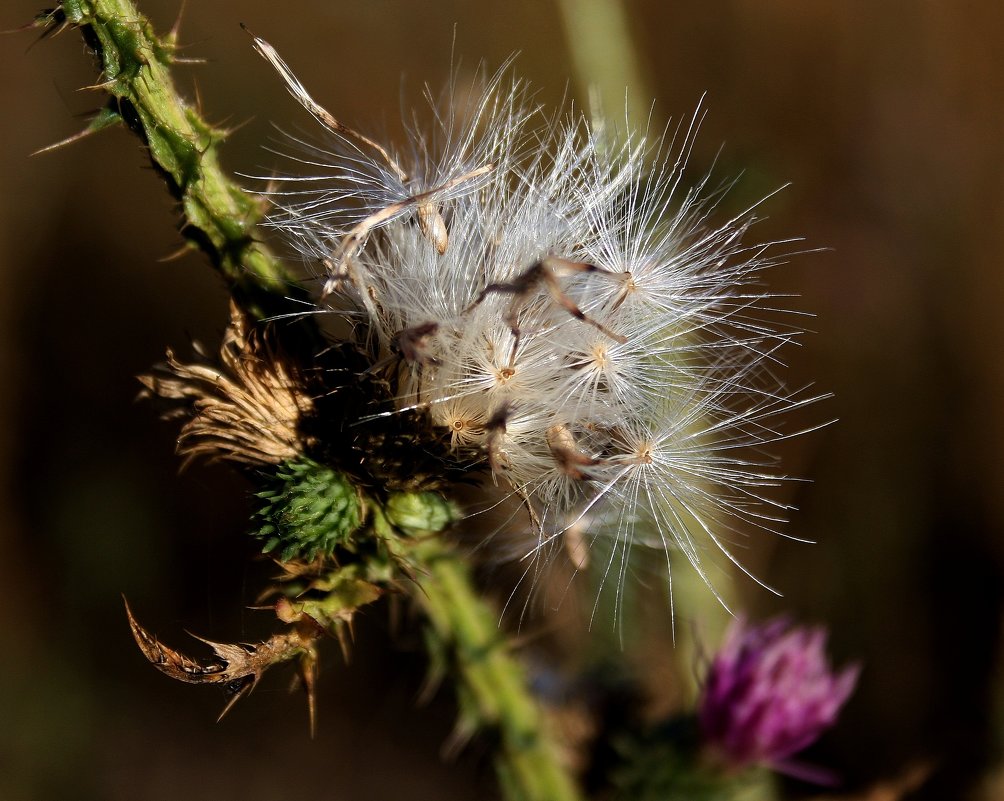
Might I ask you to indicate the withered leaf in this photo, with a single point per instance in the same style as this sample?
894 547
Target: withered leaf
235 666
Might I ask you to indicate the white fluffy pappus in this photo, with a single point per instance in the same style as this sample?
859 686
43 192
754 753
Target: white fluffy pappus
568 311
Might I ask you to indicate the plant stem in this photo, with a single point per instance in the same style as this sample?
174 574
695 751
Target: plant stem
219 216
603 50
490 678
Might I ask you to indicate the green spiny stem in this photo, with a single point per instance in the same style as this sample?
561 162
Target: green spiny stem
489 677
306 515
219 216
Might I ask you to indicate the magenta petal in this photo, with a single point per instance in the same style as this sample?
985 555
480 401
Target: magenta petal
770 692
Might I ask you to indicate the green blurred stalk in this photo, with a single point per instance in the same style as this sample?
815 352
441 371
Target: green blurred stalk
598 36
605 55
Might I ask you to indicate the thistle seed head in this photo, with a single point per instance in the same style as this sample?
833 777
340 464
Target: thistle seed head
564 311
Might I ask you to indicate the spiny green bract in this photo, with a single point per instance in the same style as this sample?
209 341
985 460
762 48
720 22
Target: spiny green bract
309 511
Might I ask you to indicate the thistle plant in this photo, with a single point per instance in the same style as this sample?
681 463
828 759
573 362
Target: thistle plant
555 300
769 694
530 344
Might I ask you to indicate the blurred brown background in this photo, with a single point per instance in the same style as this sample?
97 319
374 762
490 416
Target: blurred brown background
886 117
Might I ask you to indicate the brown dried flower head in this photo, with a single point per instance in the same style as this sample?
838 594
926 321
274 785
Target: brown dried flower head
244 408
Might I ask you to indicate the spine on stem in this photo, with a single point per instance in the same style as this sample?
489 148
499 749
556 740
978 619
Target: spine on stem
219 217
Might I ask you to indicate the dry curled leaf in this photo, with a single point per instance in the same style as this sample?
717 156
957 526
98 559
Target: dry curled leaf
236 666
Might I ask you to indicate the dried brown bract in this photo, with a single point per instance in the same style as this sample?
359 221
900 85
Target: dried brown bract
244 407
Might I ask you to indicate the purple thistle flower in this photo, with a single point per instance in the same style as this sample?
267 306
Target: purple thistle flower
770 693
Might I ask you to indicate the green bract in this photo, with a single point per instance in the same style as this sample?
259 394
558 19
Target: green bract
309 511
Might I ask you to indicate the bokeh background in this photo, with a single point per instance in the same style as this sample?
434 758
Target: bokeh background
886 117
